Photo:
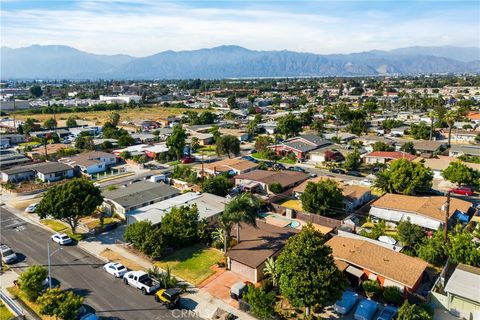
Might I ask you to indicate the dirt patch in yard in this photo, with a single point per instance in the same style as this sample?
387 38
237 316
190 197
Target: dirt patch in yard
116 257
22 204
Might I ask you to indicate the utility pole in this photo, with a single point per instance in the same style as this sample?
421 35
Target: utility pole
203 172
447 210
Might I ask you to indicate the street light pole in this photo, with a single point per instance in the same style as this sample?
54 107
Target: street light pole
49 264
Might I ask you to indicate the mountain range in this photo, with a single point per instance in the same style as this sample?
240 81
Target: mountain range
230 61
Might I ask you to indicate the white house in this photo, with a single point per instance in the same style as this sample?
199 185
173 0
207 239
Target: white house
91 162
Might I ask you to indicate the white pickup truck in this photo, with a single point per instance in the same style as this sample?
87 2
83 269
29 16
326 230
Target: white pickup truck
141 281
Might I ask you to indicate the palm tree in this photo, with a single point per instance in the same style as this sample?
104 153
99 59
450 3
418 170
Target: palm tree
270 269
450 119
225 223
243 208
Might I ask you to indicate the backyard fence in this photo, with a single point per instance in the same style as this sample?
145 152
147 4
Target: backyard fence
318 219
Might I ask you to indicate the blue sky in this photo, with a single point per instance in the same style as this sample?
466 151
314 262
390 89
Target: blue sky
144 27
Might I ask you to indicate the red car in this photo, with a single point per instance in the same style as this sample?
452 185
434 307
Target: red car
463 191
187 159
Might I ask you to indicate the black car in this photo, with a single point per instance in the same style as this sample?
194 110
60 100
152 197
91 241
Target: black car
337 170
354 173
298 169
278 166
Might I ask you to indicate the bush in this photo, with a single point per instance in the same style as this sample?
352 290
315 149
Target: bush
371 287
261 302
275 188
392 295
31 281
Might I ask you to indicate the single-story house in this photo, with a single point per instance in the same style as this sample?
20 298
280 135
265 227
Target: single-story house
343 137
461 135
441 163
463 292
233 166
362 259
45 171
258 244
154 151
328 153
91 162
136 195
300 145
209 207
91 130
9 139
375 157
61 133
240 134
262 179
427 212
143 137
399 131
354 196
203 138
10 158
457 150
428 148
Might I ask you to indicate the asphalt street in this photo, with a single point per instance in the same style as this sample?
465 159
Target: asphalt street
78 270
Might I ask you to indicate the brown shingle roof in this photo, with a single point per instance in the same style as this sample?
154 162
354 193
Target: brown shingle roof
258 244
228 164
377 259
426 206
283 177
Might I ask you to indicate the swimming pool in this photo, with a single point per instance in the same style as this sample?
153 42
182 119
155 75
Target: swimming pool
292 223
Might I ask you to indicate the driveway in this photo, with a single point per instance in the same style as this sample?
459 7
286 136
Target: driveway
220 286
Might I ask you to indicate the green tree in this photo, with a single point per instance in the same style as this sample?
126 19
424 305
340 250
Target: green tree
195 144
84 142
420 131
228 145
261 302
126 140
450 117
70 202
176 141
180 226
412 312
318 126
319 282
50 123
31 281
381 146
393 295
459 173
404 177
106 145
408 147
289 125
433 249
462 249
28 126
262 142
125 155
72 122
353 161
271 270
219 185
231 101
243 208
371 287
114 118
61 304
410 234
275 188
36 91
358 126
324 197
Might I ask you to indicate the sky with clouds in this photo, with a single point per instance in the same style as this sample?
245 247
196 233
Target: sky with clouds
144 27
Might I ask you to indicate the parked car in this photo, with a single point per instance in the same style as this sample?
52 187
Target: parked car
313 175
115 269
337 170
388 313
297 168
365 310
278 166
141 281
346 303
187 159
366 182
169 297
61 238
354 173
31 208
238 289
249 158
464 191
8 256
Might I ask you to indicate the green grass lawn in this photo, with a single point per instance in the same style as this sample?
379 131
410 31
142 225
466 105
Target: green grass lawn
5 314
192 263
57 226
16 292
173 163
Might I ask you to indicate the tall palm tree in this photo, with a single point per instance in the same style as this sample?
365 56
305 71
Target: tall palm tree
243 208
450 119
225 223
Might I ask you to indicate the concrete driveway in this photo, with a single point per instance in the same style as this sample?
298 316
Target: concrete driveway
220 286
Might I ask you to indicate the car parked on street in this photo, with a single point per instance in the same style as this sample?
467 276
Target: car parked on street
297 168
337 170
464 191
169 297
142 281
354 173
187 159
388 313
31 208
115 269
61 238
8 256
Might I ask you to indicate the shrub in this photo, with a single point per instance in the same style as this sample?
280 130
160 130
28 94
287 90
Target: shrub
392 295
31 281
275 188
371 287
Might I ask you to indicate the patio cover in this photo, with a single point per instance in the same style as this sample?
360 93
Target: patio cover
355 271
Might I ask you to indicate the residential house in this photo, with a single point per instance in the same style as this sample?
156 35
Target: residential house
457 150
333 153
136 195
143 137
232 166
61 133
154 151
257 244
261 179
441 163
10 158
90 130
203 138
10 139
44 171
428 149
240 134
209 207
354 196
343 137
364 260
383 157
461 135
427 212
91 162
399 131
300 145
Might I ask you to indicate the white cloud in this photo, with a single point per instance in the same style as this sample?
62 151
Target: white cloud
147 27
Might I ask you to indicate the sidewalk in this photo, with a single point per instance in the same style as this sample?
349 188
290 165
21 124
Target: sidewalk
6 281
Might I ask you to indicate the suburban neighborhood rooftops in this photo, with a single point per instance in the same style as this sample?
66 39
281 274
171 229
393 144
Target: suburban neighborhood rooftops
139 193
466 149
426 206
87 159
258 244
49 167
227 165
465 282
17 169
429 146
283 177
393 155
384 262
442 162
300 145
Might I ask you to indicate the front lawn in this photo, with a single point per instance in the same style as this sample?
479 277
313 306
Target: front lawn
16 292
5 314
59 227
192 263
173 163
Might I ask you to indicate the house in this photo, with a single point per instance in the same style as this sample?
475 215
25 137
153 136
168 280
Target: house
154 151
427 212
10 158
300 145
474 117
91 162
209 207
334 153
457 150
90 130
136 195
441 163
44 171
262 179
399 131
461 135
232 166
354 196
143 137
10 139
428 149
258 244
61 133
343 137
383 157
462 292
363 260
240 134
203 138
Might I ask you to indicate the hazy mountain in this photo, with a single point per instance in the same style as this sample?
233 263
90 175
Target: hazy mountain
61 62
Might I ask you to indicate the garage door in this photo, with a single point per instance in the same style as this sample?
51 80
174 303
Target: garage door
243 270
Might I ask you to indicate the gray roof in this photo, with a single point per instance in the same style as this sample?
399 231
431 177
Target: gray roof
301 146
466 149
17 169
49 167
139 193
314 139
465 282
